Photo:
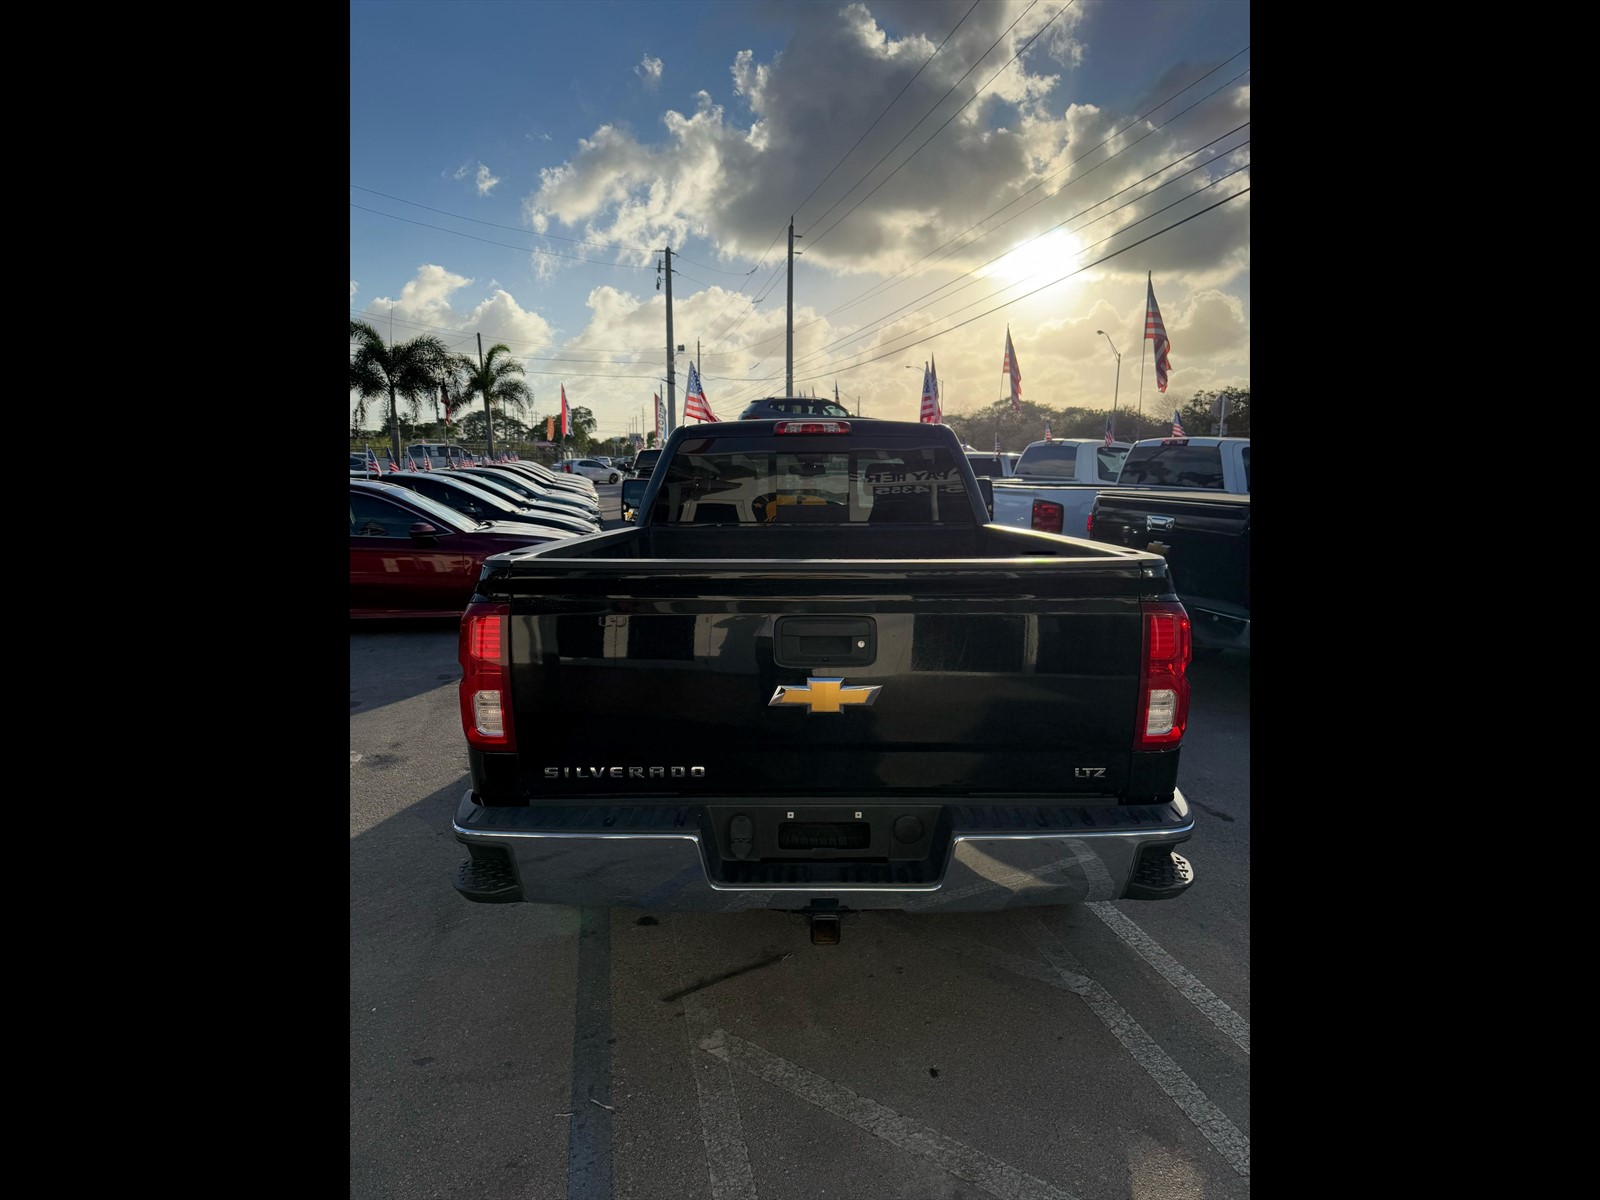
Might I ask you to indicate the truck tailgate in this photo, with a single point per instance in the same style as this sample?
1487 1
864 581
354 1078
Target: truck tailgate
1002 679
1205 538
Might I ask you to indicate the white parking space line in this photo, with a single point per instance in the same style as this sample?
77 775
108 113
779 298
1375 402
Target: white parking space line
727 1159
1224 1136
1190 988
962 1161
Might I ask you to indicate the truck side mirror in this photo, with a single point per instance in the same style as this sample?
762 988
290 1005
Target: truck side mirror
633 492
986 486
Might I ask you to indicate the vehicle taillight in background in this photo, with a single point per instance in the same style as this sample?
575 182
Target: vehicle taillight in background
485 657
1088 525
1048 517
1163 682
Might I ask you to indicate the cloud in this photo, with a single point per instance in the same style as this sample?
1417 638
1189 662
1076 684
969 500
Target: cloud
731 173
483 179
354 287
649 70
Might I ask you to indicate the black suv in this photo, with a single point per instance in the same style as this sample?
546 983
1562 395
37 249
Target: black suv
792 406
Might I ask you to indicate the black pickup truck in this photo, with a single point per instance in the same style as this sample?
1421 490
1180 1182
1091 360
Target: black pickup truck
1205 538
813 676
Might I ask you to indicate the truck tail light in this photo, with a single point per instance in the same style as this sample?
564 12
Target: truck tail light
1163 682
1088 525
1048 517
485 656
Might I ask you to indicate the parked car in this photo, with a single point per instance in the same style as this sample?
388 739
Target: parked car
504 486
1054 484
591 468
467 497
442 455
792 406
532 492
575 484
411 556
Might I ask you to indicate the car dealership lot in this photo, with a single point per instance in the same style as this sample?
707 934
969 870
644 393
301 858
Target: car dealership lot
519 1050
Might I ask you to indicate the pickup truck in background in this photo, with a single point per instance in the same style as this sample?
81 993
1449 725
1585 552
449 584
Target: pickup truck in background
814 677
1188 500
1054 484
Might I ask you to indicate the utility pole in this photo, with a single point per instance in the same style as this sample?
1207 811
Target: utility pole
488 417
672 393
788 358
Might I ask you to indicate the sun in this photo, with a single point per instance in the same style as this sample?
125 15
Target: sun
1047 257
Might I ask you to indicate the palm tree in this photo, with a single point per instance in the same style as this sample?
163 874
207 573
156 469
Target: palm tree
497 381
404 371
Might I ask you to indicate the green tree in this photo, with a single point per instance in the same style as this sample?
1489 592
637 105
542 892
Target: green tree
406 371
498 381
1200 413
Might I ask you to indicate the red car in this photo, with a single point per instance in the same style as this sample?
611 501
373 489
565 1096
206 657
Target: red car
410 556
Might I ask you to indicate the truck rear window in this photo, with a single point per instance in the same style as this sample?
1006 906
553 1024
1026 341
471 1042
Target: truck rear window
745 481
1174 465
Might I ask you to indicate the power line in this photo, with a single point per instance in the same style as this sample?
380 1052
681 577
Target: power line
493 225
719 270
826 368
924 117
945 316
973 277
887 282
488 241
890 105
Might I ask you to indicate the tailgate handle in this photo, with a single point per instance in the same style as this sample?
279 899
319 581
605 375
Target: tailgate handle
1153 522
824 641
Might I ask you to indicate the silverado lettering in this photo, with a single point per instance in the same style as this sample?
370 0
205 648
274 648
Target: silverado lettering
995 659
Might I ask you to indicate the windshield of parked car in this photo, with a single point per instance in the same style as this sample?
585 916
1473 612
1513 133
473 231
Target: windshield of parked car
438 514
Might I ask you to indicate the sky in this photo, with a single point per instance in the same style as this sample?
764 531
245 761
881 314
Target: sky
954 170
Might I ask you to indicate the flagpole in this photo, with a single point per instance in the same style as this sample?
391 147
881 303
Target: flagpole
1140 416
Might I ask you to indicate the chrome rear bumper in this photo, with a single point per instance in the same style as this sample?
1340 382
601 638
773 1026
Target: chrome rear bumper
656 858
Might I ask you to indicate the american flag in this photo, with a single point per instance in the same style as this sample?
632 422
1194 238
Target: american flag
1109 436
1156 332
661 417
1177 425
938 392
566 415
393 466
1009 366
411 462
427 462
372 462
1047 436
930 401
695 406
997 441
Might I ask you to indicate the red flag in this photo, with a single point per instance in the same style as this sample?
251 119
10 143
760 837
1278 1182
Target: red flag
1157 333
695 406
566 416
1009 366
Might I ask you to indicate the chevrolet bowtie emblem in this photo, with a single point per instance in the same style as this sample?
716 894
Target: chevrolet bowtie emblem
823 695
